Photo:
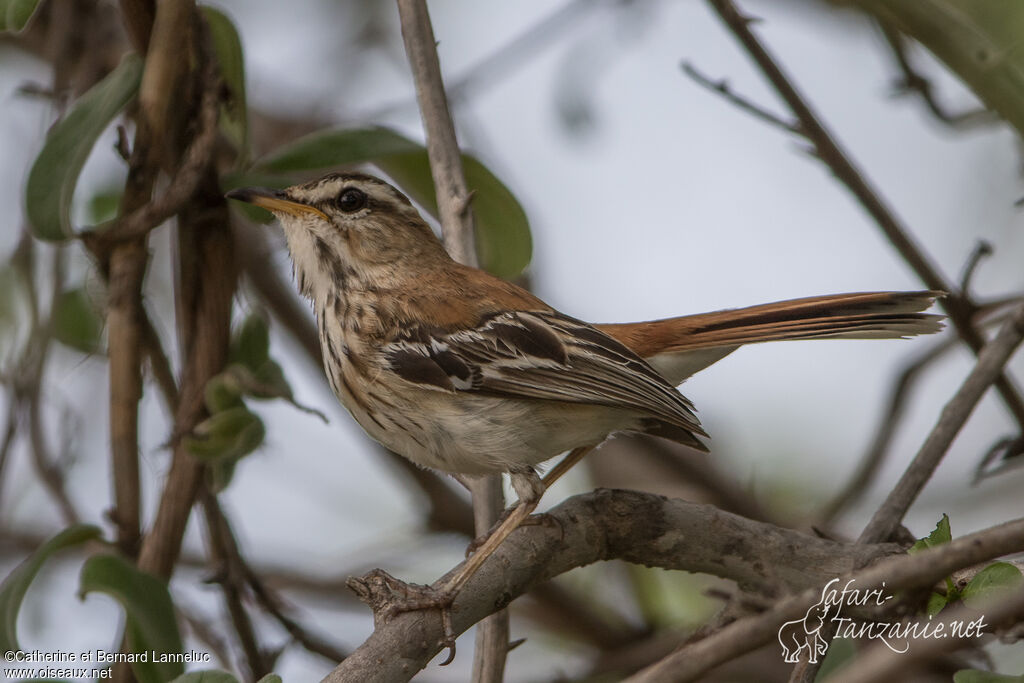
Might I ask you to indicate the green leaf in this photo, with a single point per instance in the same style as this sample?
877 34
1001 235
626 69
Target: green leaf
228 48
251 343
15 14
941 534
14 587
54 175
840 651
219 474
266 383
995 581
504 244
978 40
104 205
14 312
229 434
150 624
936 602
978 676
76 323
222 393
270 678
333 147
206 677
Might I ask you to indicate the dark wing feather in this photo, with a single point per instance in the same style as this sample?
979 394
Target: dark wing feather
539 355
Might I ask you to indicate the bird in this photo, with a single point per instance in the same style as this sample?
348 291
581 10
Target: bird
469 374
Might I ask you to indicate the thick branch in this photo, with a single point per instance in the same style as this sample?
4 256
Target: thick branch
604 525
206 278
207 282
127 261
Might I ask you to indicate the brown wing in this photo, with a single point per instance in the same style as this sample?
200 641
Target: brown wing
539 355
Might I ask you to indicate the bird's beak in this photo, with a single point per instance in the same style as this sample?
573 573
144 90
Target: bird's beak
274 201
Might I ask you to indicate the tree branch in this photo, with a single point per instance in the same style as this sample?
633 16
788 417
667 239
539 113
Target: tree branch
898 572
207 277
604 525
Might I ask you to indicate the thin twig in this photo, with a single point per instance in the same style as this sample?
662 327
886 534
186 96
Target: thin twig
271 603
10 432
184 183
756 110
457 225
990 364
442 144
46 466
224 556
47 469
203 631
235 574
990 314
914 82
957 306
505 59
159 364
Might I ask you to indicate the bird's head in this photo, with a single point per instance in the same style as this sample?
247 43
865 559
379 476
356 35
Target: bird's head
348 220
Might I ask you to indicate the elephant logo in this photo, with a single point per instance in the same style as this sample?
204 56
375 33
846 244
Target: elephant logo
800 634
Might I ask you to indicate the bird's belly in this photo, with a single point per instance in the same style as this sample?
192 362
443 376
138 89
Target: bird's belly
486 435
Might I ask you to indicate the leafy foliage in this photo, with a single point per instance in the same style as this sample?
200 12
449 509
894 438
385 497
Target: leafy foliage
15 14
76 323
980 41
54 175
228 48
14 587
150 623
994 581
941 534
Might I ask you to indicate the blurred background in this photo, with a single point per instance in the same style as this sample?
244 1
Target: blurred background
647 196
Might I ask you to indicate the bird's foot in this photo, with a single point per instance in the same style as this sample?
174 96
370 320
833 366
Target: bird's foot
388 597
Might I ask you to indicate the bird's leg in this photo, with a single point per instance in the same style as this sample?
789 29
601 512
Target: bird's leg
398 596
563 466
529 487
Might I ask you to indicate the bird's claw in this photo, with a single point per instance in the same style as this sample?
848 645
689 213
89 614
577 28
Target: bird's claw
388 597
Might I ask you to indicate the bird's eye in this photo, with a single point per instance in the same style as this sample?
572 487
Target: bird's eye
352 200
